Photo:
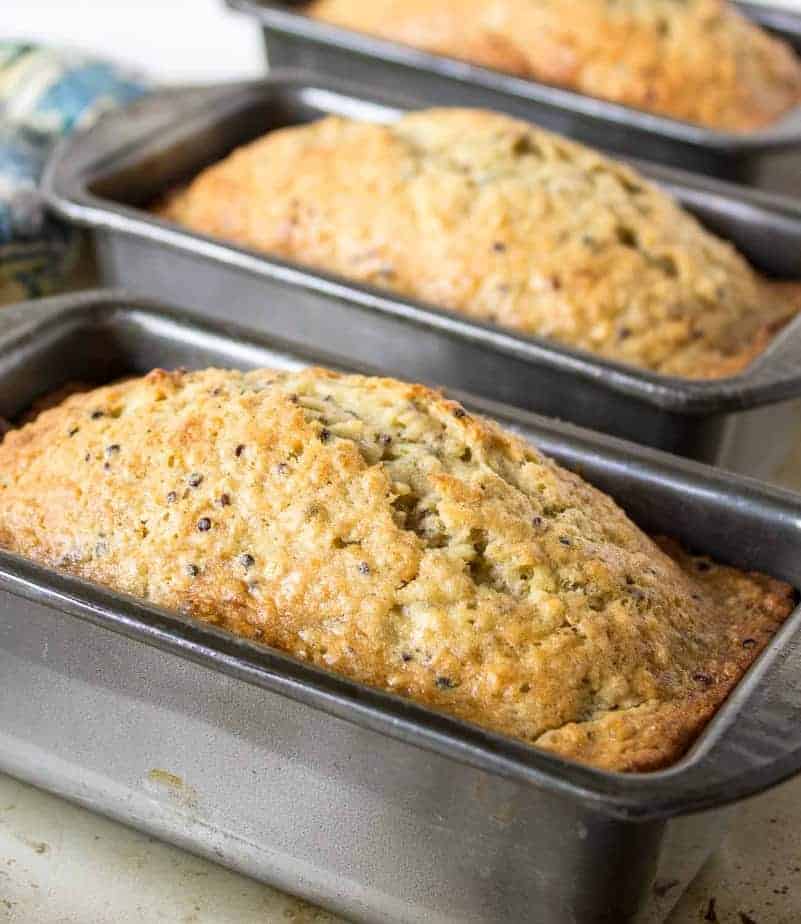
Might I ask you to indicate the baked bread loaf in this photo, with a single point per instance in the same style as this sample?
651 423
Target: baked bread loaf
377 529
494 218
697 60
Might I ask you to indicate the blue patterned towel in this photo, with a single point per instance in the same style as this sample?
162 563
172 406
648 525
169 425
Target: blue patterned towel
44 94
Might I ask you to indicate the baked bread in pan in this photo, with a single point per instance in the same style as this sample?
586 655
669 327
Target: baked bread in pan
376 529
496 219
696 60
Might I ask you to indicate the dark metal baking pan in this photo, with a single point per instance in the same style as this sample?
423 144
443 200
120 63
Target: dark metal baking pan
103 178
769 157
353 798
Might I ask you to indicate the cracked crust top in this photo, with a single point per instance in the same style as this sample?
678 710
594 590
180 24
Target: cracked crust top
491 217
376 529
697 60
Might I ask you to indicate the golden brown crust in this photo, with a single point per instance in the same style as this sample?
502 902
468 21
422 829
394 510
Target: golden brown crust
376 529
699 60
496 219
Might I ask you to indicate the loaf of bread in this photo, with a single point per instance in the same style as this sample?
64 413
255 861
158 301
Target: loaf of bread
376 529
494 218
696 60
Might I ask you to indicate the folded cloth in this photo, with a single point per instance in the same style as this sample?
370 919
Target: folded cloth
45 93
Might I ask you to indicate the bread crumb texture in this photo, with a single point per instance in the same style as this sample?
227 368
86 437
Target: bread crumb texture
696 60
498 220
377 529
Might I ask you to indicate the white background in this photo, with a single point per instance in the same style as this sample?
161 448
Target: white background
175 40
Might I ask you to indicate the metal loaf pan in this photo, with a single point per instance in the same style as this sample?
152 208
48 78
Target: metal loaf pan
353 798
102 180
768 157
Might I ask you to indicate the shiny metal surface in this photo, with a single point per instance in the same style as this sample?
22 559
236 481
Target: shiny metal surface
369 805
103 178
768 157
